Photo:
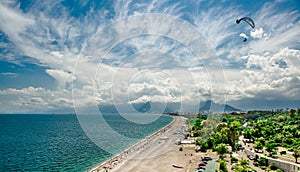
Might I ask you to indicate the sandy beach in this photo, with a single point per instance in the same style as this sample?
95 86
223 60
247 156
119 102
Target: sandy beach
158 152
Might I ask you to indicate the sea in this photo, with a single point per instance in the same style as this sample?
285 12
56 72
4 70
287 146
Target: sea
57 142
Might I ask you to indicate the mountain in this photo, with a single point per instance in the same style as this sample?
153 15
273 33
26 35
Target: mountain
146 107
107 109
152 107
209 105
155 107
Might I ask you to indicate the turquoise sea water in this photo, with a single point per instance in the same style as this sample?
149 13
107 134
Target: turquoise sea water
57 142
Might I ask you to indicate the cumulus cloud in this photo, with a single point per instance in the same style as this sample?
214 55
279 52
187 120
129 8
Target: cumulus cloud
269 76
257 33
63 78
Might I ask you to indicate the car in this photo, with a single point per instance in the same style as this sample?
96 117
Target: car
251 157
241 148
200 170
203 168
204 161
207 158
201 164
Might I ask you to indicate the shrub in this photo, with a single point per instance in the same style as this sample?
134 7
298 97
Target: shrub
256 163
263 167
273 167
233 160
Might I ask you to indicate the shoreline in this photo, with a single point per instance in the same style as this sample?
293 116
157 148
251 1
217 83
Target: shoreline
108 164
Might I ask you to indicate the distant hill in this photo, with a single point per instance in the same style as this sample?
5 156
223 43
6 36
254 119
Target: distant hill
154 107
212 106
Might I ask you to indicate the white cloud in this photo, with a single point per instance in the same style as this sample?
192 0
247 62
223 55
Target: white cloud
13 22
270 76
280 28
257 33
34 100
143 51
277 29
9 74
215 23
63 78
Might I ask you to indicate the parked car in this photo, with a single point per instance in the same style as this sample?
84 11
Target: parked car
251 157
201 164
241 148
207 158
202 167
204 161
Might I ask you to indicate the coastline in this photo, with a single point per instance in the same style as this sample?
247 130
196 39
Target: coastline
110 163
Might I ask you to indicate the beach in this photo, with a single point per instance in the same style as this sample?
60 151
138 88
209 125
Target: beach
157 152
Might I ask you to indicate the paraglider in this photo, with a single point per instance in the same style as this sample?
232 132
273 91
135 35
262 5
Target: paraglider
247 20
244 36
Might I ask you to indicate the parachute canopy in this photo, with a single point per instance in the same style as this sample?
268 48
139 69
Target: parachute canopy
246 19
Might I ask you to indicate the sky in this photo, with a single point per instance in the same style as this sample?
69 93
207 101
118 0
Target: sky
70 56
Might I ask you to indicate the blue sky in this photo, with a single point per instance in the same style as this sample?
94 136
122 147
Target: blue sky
61 56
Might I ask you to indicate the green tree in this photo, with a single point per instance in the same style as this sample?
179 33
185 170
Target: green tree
248 134
210 142
198 140
244 163
296 154
234 133
242 166
271 148
258 145
224 135
223 166
273 167
292 113
221 150
233 160
281 118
